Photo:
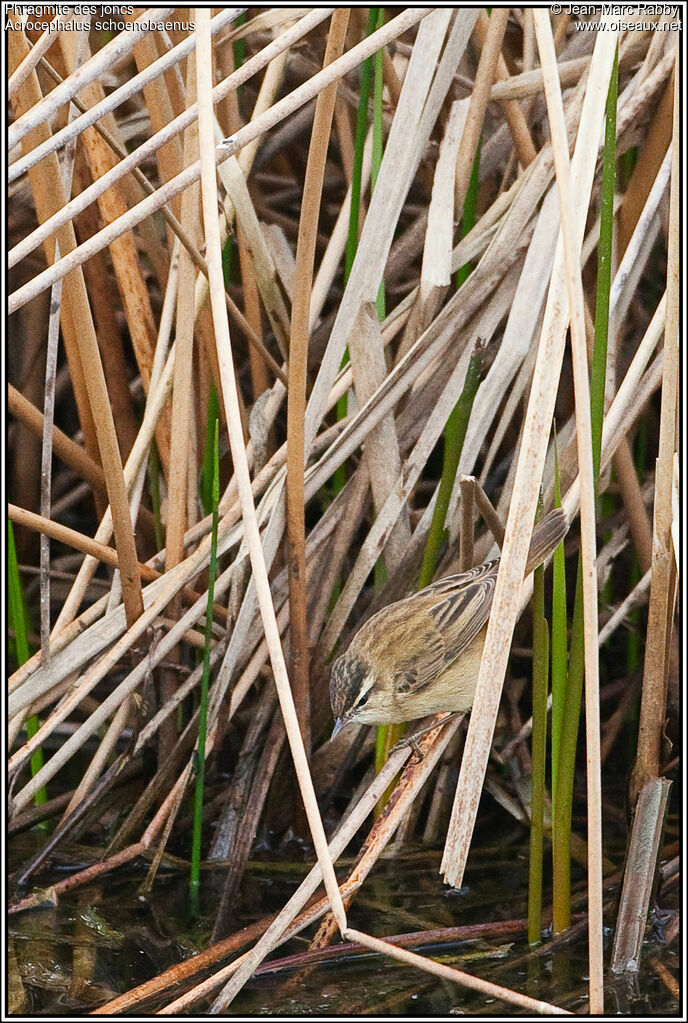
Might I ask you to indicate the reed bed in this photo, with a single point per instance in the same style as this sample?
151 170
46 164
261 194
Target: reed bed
310 307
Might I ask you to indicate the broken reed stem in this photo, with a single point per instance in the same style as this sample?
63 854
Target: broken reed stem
298 363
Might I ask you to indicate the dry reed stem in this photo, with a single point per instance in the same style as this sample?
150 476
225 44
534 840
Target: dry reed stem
644 845
650 158
111 53
467 534
330 261
159 392
491 43
515 117
402 799
259 376
182 396
298 364
252 131
574 291
182 448
381 452
435 275
169 158
638 521
485 987
662 591
125 262
635 598
39 48
71 453
110 704
47 458
281 928
229 394
525 492
162 137
529 83
76 314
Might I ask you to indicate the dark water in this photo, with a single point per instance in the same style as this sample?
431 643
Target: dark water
104 940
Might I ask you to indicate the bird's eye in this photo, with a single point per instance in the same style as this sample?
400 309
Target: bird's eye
363 700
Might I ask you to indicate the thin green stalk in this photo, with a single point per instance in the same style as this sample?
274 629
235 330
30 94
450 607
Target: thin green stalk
633 637
454 436
468 219
19 618
339 478
563 803
154 473
359 142
208 469
559 639
576 672
455 430
378 147
598 371
539 754
203 709
378 144
239 47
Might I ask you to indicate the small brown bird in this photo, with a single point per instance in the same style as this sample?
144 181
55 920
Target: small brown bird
421 655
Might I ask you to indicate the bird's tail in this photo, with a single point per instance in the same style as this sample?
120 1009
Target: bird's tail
548 532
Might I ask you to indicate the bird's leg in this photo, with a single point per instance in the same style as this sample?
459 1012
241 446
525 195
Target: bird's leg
412 740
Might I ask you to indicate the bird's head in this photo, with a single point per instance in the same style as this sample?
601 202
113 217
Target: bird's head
354 692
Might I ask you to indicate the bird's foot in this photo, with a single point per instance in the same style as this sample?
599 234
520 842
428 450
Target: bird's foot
412 740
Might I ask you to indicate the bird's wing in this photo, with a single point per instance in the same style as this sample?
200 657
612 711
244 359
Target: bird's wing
461 614
419 658
447 615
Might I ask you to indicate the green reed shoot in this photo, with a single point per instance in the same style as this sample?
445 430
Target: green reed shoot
19 621
203 708
539 754
561 830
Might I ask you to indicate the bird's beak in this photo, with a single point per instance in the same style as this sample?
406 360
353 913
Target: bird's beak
338 725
